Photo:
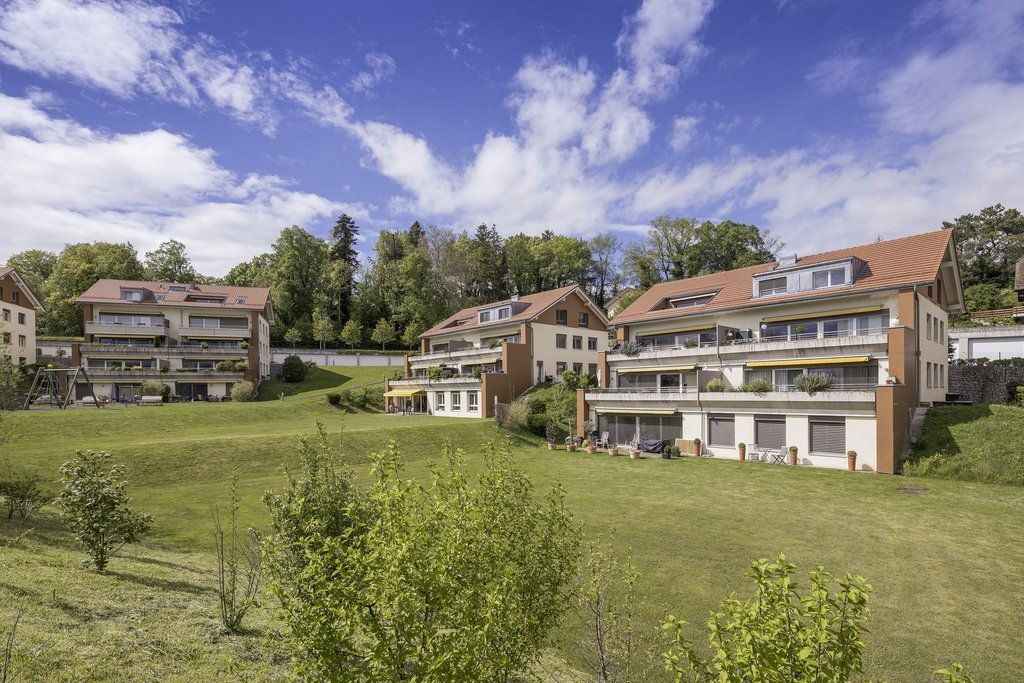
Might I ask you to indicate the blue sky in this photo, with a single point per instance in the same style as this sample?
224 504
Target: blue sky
826 122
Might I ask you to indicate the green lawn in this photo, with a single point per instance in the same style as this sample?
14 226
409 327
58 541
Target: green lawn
972 443
323 379
946 562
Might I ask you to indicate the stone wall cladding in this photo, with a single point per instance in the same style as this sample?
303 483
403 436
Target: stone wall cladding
984 383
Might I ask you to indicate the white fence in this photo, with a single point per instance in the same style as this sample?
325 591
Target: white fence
333 357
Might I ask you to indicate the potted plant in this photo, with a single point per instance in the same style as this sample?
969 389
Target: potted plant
851 460
571 446
551 434
591 448
742 448
634 453
696 447
792 455
670 452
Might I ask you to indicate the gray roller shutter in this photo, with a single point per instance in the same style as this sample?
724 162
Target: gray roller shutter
770 433
722 430
828 435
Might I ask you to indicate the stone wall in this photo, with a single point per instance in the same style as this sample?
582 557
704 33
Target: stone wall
984 383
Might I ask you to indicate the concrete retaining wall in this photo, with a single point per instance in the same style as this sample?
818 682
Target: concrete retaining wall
334 357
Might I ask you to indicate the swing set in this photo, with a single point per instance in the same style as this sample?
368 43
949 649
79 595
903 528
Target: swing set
51 382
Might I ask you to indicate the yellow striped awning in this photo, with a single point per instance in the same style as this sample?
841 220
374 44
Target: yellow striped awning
666 368
411 391
828 314
845 360
635 411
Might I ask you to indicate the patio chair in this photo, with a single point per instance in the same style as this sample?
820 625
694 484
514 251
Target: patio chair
602 441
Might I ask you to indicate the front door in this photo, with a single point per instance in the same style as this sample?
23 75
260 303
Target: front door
195 392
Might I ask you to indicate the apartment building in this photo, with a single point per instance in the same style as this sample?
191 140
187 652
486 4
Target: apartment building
197 339
495 352
18 308
720 357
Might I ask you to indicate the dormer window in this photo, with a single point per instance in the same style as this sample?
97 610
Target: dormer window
177 288
504 312
131 294
239 302
205 299
159 297
689 301
775 285
833 277
485 316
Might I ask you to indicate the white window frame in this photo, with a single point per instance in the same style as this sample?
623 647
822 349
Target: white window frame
456 401
761 291
829 273
439 400
473 401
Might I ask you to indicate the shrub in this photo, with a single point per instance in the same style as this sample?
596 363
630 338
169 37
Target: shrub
95 506
690 344
243 391
240 366
477 600
780 634
551 431
225 366
394 374
369 398
631 348
293 369
239 565
243 345
334 399
517 416
22 495
813 382
152 387
434 372
570 380
758 386
716 385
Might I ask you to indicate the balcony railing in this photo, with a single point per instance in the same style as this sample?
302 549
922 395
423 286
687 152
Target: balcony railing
646 390
143 329
724 344
220 332
158 351
470 352
863 332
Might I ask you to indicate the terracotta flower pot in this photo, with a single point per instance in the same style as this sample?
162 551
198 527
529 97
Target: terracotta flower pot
634 455
551 446
571 448
697 449
591 449
851 462
791 457
743 452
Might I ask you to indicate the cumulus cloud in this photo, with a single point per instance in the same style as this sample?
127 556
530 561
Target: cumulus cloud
127 48
380 68
64 182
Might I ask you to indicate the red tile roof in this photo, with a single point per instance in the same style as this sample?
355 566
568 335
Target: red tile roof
536 303
891 264
109 291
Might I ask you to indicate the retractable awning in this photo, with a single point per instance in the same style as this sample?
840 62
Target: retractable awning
634 411
845 360
406 391
830 314
663 368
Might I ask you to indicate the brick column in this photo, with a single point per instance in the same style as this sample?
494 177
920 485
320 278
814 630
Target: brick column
582 411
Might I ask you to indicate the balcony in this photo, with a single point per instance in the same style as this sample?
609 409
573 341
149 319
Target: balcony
475 353
212 332
168 351
126 329
462 380
186 375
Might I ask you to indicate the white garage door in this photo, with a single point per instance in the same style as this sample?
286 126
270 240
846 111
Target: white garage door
993 349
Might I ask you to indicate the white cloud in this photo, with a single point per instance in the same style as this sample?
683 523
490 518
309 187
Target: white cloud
63 182
129 47
835 73
684 128
381 67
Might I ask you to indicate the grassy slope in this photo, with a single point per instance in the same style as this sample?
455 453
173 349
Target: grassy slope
323 379
972 443
946 564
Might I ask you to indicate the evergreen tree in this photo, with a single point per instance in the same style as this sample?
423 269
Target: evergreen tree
343 264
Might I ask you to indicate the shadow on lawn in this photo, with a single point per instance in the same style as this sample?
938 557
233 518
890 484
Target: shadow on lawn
937 436
162 584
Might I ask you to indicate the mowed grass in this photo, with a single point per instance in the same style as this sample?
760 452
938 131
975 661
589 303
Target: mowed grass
972 443
323 379
946 559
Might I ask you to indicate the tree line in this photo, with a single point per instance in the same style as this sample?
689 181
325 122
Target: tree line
325 294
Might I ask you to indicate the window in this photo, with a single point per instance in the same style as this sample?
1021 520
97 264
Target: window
942 330
439 400
828 278
560 368
584 320
15 297
942 376
21 340
239 302
690 301
592 369
776 285
591 343
485 316
577 368
928 326
928 375
177 288
577 343
561 316
7 337
7 315
504 313
131 294
21 318
560 341
456 400
159 297
828 435
770 432
722 430
472 400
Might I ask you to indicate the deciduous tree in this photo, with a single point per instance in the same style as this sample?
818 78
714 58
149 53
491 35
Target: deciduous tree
169 262
384 333
78 267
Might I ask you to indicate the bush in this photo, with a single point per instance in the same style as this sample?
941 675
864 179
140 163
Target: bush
95 506
516 417
477 600
243 391
434 372
239 565
782 635
551 431
631 348
758 386
813 382
152 387
293 369
334 399
225 366
22 495
716 385
394 374
368 398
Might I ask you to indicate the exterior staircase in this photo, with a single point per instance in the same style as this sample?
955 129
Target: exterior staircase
916 427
